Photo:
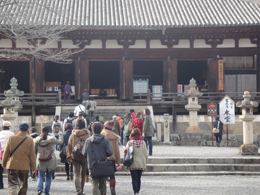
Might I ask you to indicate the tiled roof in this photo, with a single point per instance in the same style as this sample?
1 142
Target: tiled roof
103 14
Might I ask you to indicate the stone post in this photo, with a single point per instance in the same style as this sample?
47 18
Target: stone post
193 106
248 148
166 129
11 105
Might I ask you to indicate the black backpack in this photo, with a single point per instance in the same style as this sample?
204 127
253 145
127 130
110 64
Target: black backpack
70 120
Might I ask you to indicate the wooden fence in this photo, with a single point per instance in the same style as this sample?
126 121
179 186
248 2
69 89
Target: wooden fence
38 99
179 98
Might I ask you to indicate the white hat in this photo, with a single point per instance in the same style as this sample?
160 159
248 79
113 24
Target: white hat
7 124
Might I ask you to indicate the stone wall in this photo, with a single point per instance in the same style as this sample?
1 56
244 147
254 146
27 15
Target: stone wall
235 131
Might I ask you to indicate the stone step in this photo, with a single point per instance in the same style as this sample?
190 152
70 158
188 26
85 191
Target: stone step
151 160
191 167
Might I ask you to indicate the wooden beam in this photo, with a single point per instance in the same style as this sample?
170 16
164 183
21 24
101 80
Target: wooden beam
39 74
84 75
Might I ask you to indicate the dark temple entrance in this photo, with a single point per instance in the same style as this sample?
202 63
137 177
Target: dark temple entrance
104 78
192 69
19 70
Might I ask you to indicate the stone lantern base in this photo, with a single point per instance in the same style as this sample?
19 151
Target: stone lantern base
248 149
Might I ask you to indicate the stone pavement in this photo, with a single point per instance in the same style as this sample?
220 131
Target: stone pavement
157 185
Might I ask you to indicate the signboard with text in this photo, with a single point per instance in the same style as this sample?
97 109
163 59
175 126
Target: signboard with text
220 75
227 110
212 109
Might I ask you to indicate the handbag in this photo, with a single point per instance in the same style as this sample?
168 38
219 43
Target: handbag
216 130
101 167
63 152
129 156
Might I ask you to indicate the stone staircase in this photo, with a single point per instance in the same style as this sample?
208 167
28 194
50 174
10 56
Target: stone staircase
176 166
107 111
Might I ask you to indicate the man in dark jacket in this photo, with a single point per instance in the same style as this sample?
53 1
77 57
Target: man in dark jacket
219 125
67 92
85 97
102 149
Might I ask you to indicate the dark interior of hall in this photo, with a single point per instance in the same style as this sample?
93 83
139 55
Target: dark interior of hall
104 75
55 72
19 70
192 69
154 69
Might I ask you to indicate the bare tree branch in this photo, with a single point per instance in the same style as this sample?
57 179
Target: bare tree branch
17 23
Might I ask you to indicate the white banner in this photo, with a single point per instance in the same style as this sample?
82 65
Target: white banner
227 110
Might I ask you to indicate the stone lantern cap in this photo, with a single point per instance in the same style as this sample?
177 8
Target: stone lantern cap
12 96
193 90
247 103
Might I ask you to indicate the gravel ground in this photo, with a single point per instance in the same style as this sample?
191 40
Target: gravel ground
230 185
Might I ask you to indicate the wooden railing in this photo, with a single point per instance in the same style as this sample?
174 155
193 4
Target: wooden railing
38 99
179 98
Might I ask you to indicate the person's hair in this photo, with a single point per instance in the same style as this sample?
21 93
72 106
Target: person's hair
147 111
71 114
135 132
128 118
80 124
50 130
68 82
68 126
138 114
80 113
97 127
56 118
217 118
33 130
97 118
5 127
132 110
45 131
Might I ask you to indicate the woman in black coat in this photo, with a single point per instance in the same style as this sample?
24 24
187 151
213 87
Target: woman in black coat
66 136
219 125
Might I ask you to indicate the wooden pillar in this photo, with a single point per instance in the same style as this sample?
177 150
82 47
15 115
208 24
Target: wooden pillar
170 76
258 72
126 79
84 75
33 115
174 124
31 69
37 73
77 79
213 75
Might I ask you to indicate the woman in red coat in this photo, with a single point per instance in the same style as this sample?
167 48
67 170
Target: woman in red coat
138 122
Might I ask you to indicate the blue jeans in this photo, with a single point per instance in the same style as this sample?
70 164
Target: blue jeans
41 176
148 142
136 180
57 146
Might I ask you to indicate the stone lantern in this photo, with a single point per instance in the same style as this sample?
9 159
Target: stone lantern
11 105
193 106
248 148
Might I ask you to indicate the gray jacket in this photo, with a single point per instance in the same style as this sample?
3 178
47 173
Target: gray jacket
148 127
101 146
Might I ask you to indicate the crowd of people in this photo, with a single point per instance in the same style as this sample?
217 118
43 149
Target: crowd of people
81 142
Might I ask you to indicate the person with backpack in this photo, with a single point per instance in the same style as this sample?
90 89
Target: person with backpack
91 107
46 159
63 154
98 147
75 156
148 131
79 108
33 134
18 156
4 135
70 119
139 159
57 127
113 139
90 125
128 126
138 122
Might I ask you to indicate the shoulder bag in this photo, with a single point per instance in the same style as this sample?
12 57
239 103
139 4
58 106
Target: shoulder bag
101 167
17 147
129 155
216 130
